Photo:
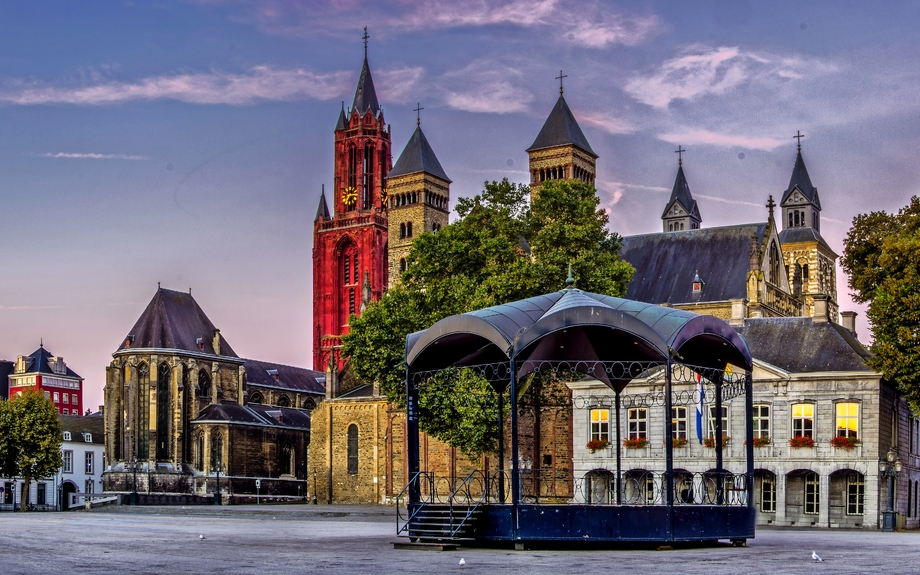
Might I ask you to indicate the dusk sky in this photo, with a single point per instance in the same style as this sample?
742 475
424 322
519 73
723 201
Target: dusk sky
186 142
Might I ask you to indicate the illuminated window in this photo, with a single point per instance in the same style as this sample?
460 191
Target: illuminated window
803 420
600 424
848 420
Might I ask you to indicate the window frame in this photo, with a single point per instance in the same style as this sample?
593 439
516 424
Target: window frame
848 418
761 430
768 495
352 446
67 461
679 424
856 486
798 421
599 429
88 463
711 422
640 421
812 499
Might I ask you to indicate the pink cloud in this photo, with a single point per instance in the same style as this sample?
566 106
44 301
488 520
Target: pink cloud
607 123
715 139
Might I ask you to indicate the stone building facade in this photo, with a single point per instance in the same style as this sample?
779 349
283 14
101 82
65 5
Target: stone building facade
178 410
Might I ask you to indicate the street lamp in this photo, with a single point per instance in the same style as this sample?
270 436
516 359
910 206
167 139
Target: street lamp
134 489
314 487
217 490
890 468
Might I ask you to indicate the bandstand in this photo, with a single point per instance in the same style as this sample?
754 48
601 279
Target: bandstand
700 360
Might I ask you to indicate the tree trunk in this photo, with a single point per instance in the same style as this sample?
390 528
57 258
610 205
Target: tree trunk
24 495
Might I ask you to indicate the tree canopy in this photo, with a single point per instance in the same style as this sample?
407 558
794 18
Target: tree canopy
30 439
882 259
502 248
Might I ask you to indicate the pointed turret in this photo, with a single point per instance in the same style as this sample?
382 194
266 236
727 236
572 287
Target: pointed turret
365 95
561 151
681 212
418 156
801 180
800 203
322 211
342 123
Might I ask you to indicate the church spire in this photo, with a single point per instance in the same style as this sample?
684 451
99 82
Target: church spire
418 156
322 211
681 211
365 95
800 203
342 123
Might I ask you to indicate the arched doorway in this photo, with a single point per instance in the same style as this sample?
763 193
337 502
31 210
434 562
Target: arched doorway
67 489
599 487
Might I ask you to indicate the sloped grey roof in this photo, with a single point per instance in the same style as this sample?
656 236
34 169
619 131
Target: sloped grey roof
322 211
366 390
264 415
681 193
78 425
341 123
365 95
418 156
666 263
561 129
806 234
801 180
40 359
289 377
173 320
799 345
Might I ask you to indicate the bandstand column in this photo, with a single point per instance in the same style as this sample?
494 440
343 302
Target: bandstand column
720 483
412 436
501 449
619 453
515 474
669 452
749 438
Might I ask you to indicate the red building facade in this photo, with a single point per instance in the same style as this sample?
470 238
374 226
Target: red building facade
350 242
48 374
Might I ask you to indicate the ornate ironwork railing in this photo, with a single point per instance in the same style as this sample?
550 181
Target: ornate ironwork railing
469 493
599 487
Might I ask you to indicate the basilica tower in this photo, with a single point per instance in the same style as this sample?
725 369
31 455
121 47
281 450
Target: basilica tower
350 241
561 151
418 198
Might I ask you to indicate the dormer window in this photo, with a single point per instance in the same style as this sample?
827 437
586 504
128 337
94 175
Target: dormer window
87 437
273 373
66 436
200 342
129 340
698 283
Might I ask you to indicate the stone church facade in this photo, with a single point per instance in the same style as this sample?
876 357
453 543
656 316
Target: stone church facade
182 408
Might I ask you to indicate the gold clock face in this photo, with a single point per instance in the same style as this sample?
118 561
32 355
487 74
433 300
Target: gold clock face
384 194
349 196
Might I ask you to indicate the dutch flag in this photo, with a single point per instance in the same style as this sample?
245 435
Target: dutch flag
701 393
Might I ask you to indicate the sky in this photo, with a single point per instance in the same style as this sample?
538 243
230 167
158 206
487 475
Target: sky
186 142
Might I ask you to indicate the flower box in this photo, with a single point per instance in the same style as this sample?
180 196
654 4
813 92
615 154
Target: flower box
677 442
711 441
596 444
847 443
638 443
761 441
801 441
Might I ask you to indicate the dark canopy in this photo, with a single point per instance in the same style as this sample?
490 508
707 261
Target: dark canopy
573 325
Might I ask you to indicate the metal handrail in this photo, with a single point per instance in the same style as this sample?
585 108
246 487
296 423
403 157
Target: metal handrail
417 478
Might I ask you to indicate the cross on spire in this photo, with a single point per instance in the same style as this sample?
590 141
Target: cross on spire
680 152
770 205
798 136
418 114
365 37
560 77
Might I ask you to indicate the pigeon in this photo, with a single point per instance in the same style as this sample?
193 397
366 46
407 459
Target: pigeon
816 557
201 536
462 562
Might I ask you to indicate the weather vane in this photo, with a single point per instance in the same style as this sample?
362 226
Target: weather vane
560 77
680 155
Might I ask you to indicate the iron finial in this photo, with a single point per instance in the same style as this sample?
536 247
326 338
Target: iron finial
560 77
798 136
570 281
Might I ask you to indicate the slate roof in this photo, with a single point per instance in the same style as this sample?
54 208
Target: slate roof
681 193
77 425
418 156
40 364
806 234
289 377
561 129
799 345
366 390
6 368
262 415
666 263
802 181
322 211
365 95
173 320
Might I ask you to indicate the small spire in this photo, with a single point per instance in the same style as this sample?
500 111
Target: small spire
189 290
570 281
770 205
798 136
158 285
560 77
418 114
41 342
680 153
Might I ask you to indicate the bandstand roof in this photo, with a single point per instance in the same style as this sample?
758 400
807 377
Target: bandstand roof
572 325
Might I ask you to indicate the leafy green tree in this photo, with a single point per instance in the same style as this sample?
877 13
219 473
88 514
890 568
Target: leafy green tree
882 259
30 445
502 248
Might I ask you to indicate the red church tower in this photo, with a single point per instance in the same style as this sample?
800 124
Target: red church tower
350 244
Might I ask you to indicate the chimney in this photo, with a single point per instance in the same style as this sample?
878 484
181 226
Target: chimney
216 342
739 308
849 321
331 377
820 314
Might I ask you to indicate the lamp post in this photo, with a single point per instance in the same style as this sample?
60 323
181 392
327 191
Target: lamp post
134 489
314 487
890 468
217 490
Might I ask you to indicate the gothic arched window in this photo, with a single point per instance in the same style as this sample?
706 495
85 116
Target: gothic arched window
217 452
283 401
199 452
353 449
402 264
204 384
774 264
287 456
409 229
256 397
367 185
143 411
402 230
163 411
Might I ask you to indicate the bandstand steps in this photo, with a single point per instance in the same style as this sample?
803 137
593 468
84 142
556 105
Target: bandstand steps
435 523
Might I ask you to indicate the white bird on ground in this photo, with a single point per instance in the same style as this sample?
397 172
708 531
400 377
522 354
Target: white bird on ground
462 562
201 536
816 557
